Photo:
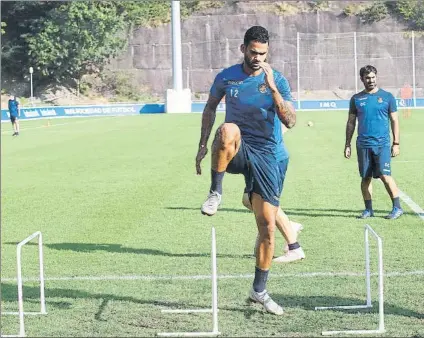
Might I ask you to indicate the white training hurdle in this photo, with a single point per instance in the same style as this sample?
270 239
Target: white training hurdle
21 312
213 310
368 304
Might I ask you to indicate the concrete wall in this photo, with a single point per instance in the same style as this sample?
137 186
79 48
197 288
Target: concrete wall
211 42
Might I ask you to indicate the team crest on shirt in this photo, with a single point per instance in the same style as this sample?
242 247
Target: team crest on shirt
262 88
380 100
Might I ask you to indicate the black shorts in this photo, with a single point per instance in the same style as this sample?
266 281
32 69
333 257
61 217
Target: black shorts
374 161
13 118
262 172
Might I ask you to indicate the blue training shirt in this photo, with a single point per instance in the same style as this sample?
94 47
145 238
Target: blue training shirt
250 106
373 113
13 107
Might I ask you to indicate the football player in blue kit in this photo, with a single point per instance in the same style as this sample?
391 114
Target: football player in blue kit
250 142
14 111
376 111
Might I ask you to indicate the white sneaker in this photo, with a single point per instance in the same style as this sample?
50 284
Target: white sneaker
210 207
264 299
298 228
291 256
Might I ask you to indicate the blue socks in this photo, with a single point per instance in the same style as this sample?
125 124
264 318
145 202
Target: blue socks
261 276
294 246
396 202
368 204
217 178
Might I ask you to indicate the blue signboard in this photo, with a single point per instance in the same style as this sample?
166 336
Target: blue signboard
159 108
107 110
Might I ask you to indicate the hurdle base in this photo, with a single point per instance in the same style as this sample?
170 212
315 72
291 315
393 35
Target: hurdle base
189 311
346 307
189 334
332 333
25 313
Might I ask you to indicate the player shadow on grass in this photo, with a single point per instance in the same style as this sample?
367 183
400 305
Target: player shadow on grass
219 210
348 213
310 302
91 247
309 212
32 294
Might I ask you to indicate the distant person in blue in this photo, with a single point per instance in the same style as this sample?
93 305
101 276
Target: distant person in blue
376 111
14 113
250 142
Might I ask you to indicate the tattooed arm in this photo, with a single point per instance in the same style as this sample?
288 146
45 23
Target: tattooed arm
208 119
285 110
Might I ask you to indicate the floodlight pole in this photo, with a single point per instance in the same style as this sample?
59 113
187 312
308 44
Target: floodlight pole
31 70
178 100
413 69
298 69
177 65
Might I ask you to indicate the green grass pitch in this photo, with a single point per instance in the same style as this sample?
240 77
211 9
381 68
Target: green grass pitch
118 202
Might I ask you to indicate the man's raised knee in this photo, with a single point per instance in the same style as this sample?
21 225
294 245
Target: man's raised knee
228 134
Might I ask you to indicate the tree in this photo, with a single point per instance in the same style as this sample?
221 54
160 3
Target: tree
65 40
76 38
412 11
18 17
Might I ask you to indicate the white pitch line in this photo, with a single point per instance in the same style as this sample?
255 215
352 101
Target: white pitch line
411 204
205 277
64 124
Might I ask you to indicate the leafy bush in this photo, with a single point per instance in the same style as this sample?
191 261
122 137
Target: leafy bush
353 9
118 86
318 5
279 8
153 13
412 11
375 12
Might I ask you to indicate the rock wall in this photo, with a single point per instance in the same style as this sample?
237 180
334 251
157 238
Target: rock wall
326 50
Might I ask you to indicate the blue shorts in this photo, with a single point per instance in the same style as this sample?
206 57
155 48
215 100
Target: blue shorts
374 161
263 174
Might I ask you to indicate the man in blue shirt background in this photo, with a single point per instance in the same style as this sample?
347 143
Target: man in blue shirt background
375 109
250 142
14 113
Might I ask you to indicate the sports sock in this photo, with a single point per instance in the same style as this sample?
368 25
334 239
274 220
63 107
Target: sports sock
217 178
368 204
396 202
261 276
294 246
